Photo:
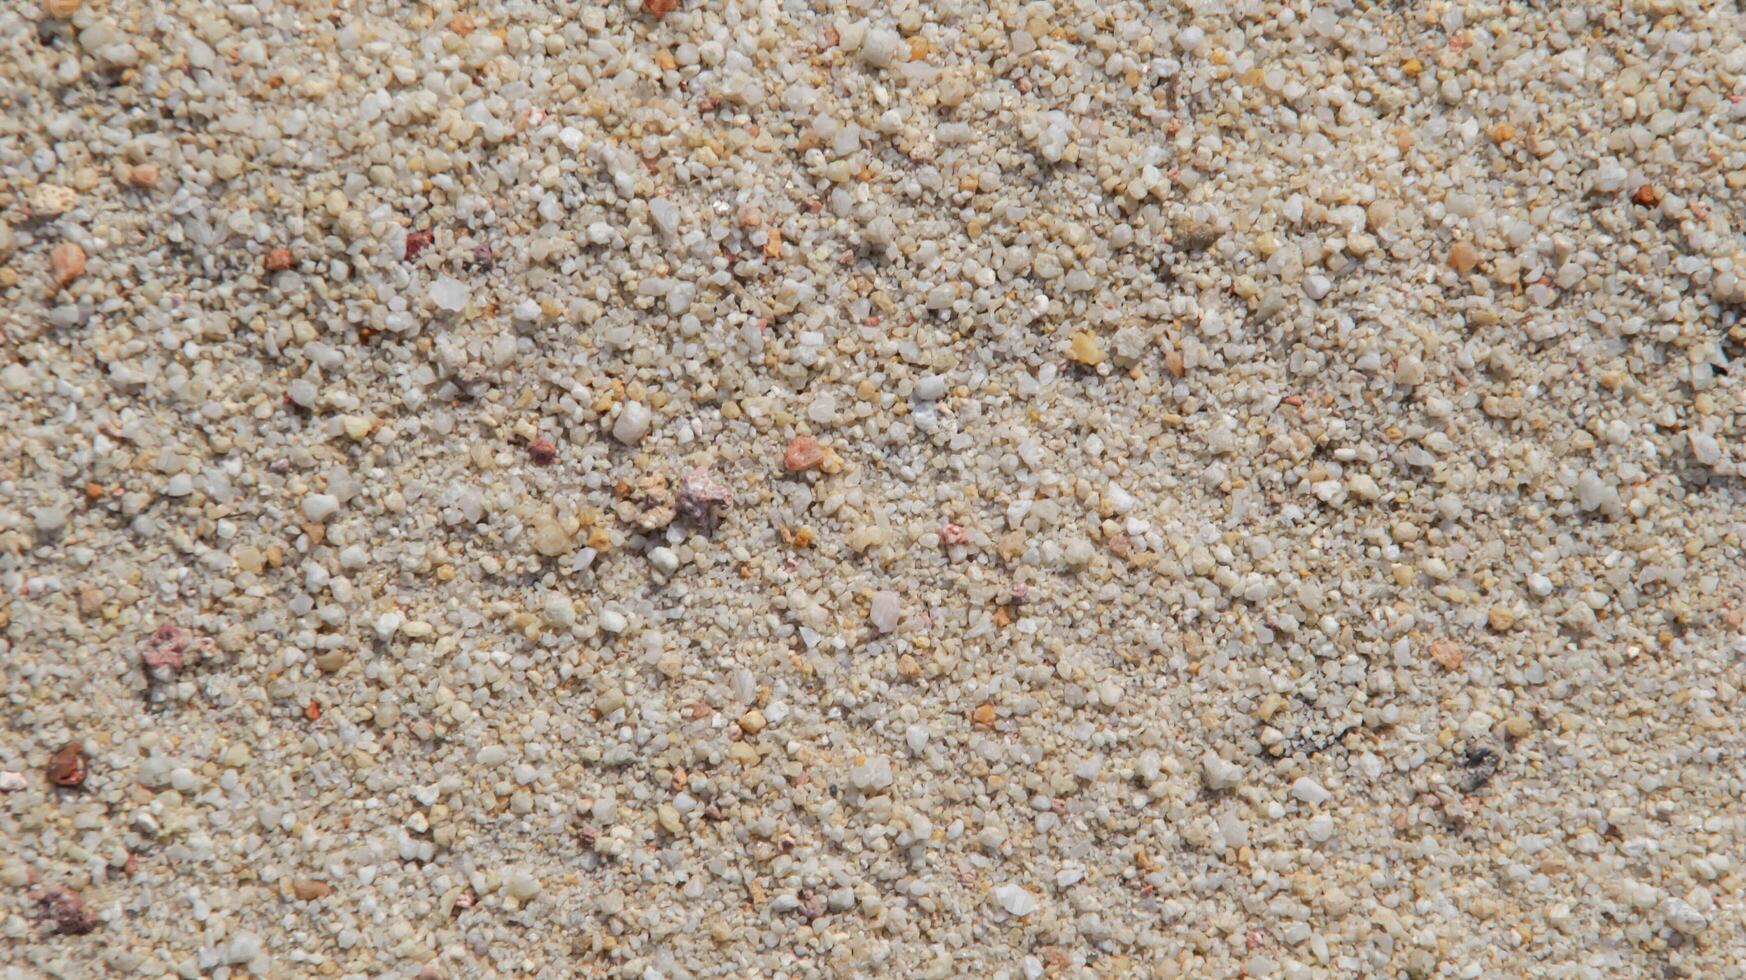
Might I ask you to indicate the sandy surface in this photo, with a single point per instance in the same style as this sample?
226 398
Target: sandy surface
940 489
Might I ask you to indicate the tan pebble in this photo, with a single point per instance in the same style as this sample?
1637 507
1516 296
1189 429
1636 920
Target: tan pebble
51 200
1447 654
1085 349
832 463
309 889
67 262
1269 707
1463 257
752 722
61 9
983 715
1501 618
550 539
249 559
143 175
357 427
1335 901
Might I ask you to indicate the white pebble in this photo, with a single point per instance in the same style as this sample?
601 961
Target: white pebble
558 610
665 215
880 47
1594 493
1015 900
632 423
1149 766
885 611
1307 790
319 507
449 294
1219 773
871 775
49 520
1704 447
521 885
1683 917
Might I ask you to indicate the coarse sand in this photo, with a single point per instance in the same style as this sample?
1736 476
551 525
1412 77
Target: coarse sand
714 488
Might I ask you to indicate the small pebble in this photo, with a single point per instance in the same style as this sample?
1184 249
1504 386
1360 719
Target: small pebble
67 263
522 885
1307 790
701 496
53 200
319 507
1463 257
310 889
67 912
447 293
803 453
1219 774
1015 900
880 47
632 424
885 611
68 766
1683 917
